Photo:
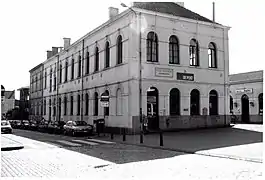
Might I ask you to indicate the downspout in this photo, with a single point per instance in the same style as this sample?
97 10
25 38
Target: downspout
225 98
42 91
82 80
57 89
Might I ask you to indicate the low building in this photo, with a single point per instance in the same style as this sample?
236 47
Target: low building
158 59
246 96
7 101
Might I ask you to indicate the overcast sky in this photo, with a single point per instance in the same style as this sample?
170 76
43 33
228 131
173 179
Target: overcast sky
29 28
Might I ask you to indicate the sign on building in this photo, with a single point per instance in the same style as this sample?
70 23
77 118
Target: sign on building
104 100
163 72
239 91
185 76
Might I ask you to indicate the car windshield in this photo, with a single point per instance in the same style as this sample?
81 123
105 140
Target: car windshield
4 123
80 123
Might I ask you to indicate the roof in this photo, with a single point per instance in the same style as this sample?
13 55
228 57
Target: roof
22 88
36 67
171 8
9 94
247 76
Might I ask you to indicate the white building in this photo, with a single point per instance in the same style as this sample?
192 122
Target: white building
185 68
246 96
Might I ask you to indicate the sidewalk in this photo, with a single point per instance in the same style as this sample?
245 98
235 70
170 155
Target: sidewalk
231 142
8 144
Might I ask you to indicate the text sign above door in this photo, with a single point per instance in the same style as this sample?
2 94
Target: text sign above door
185 76
163 72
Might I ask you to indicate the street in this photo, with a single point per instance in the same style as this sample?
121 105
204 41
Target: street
48 155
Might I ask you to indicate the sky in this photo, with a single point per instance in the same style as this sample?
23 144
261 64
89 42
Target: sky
29 28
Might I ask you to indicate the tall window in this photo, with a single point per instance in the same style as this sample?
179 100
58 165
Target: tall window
59 108
36 79
174 102
87 63
54 108
66 72
51 80
79 66
195 102
45 80
106 109
96 68
73 68
212 55
54 77
87 104
78 104
60 74
119 49
72 105
152 47
194 53
44 107
173 50
231 104
213 103
65 105
96 104
107 55
118 102
260 104
50 109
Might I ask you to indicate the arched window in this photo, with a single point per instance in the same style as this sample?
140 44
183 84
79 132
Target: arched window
87 104
87 62
51 80
45 79
173 50
195 102
36 79
44 107
260 104
107 55
65 105
152 47
59 108
60 74
106 109
118 102
66 72
79 66
213 103
96 104
72 105
174 102
212 55
78 104
194 53
96 68
231 104
73 68
119 49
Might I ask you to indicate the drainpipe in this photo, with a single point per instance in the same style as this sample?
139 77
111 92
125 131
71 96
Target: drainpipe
57 89
82 78
42 91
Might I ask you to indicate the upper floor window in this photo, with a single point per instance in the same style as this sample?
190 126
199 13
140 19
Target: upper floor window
152 47
54 82
87 63
36 83
79 66
173 50
194 53
107 55
212 55
71 105
119 49
73 68
66 71
60 73
51 80
96 68
45 79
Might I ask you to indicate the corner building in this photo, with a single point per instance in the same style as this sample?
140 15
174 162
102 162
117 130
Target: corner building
185 67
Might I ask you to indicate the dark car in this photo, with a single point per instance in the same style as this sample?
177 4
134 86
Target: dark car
5 127
58 127
16 124
33 125
43 126
77 127
25 124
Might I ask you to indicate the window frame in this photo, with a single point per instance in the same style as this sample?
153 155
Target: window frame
173 50
152 47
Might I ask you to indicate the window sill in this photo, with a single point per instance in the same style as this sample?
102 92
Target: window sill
174 64
150 62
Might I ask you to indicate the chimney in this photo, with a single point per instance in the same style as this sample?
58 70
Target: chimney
54 50
49 54
180 4
113 12
66 42
213 12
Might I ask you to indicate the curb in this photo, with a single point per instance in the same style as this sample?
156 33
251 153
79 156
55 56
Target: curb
11 148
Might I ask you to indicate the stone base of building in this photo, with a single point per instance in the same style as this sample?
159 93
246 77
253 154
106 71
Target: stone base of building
253 119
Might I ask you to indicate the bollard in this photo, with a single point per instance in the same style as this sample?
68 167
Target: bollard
161 139
124 135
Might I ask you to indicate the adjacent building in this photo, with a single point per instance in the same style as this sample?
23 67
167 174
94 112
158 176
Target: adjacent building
246 96
7 100
183 75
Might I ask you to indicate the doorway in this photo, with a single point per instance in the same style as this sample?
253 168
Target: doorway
152 108
245 108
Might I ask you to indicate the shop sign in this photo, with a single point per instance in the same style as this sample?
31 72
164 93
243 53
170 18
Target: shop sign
185 76
238 91
163 72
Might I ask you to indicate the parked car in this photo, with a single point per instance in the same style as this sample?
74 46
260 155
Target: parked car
16 124
58 127
77 127
33 125
25 124
6 127
43 126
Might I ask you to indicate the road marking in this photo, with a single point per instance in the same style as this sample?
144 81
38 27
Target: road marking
85 142
68 143
100 141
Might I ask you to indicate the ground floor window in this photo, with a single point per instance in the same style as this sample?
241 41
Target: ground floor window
195 102
213 103
174 101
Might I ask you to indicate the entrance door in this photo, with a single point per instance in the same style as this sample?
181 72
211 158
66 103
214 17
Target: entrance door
245 108
152 108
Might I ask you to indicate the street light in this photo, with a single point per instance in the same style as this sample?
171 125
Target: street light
140 71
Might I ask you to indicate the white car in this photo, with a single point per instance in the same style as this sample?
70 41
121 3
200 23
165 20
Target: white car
6 127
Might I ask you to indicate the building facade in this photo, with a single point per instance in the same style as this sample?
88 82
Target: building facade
246 96
184 71
7 100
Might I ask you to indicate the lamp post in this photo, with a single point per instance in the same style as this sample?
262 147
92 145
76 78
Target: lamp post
140 71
